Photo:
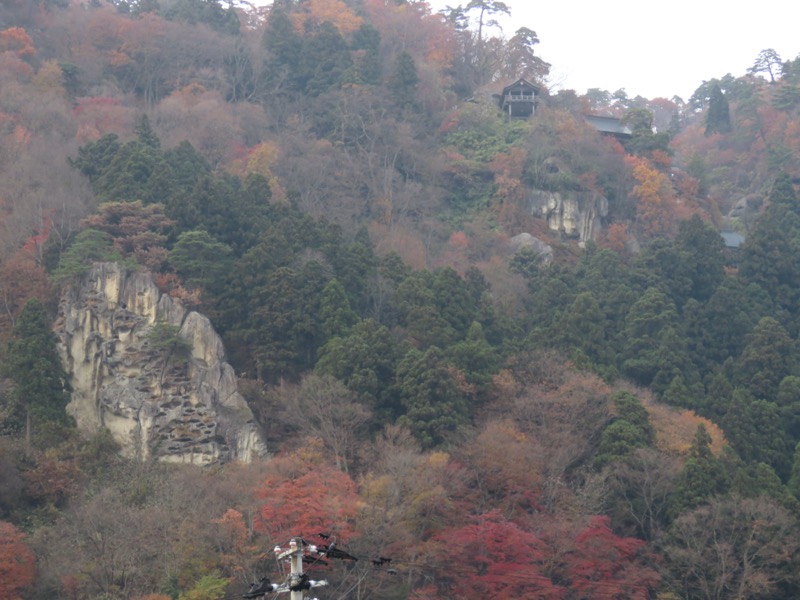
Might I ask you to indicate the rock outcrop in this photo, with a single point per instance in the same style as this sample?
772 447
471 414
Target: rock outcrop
172 407
526 240
573 214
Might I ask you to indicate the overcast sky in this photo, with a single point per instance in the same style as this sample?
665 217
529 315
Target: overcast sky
652 49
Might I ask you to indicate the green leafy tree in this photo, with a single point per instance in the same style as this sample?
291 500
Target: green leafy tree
476 358
145 134
41 389
208 587
137 172
701 256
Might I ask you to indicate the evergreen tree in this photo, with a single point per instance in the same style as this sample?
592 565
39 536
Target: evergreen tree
145 134
434 404
718 117
702 477
95 157
769 356
335 312
649 321
89 246
367 41
770 256
325 60
629 431
365 360
755 431
41 390
794 477
404 80
282 48
200 259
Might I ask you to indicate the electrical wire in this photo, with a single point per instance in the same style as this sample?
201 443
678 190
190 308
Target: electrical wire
609 589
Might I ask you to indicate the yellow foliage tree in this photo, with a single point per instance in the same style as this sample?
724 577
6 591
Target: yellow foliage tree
49 79
675 429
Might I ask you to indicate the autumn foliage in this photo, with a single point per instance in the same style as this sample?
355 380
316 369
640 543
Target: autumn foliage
17 563
303 495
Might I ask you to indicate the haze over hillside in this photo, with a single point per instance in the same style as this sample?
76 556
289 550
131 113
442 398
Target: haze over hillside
487 345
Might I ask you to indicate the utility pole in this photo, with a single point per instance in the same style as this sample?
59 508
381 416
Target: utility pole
298 581
296 560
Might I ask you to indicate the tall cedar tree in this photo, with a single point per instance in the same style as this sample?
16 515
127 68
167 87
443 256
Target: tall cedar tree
41 390
718 117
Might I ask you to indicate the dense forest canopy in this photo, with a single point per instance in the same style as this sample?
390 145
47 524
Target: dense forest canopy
609 408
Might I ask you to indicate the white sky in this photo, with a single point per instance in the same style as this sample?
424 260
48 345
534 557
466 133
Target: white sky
652 49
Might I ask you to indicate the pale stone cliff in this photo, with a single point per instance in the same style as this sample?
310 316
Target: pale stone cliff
573 214
182 409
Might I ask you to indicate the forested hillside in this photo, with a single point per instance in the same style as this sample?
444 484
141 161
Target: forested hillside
470 392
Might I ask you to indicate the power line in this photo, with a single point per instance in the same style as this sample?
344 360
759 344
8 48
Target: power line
298 548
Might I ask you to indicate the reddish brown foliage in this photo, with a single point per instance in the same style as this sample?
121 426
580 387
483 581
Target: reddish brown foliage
17 562
492 558
303 496
605 565
17 41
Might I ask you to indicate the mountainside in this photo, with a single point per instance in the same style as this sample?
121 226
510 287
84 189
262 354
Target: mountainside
490 334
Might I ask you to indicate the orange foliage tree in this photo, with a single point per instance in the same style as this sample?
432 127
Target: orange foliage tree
303 495
655 198
17 41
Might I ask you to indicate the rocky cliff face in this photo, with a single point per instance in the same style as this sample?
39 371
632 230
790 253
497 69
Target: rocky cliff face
172 408
575 214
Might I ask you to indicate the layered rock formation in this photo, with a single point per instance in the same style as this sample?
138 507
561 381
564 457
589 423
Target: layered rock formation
573 214
169 406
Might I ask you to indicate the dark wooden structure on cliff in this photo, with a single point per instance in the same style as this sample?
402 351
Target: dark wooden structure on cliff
519 99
